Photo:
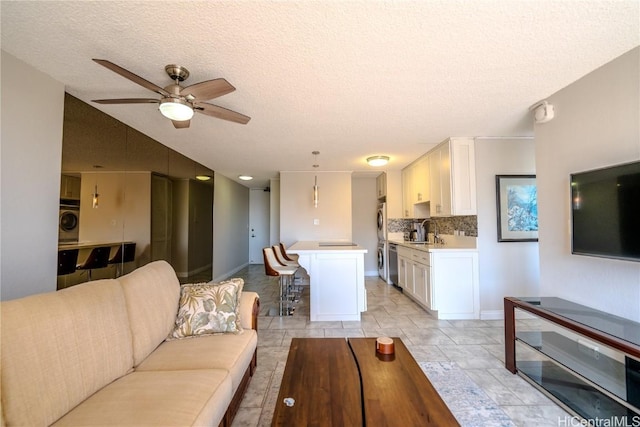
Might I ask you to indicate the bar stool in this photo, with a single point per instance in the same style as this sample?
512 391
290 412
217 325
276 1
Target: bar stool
67 260
98 258
126 253
288 257
273 268
296 281
282 259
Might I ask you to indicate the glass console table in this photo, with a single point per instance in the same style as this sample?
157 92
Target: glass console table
586 360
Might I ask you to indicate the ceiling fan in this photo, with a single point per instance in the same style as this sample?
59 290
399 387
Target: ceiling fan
179 103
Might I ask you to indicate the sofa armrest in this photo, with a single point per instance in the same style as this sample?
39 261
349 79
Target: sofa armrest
249 309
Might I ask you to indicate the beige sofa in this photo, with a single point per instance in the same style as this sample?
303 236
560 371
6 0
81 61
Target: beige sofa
95 354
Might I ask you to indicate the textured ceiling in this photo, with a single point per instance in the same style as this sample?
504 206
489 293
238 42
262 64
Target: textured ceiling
347 78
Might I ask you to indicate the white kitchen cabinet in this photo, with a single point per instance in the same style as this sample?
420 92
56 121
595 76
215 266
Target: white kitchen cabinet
407 192
405 269
381 185
452 178
455 284
445 282
422 277
421 180
416 188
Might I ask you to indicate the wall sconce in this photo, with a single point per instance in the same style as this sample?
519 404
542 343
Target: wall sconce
378 160
94 199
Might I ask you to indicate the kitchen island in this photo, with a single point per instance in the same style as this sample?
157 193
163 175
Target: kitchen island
336 271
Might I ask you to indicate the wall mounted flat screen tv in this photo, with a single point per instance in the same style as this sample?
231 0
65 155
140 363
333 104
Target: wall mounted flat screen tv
605 207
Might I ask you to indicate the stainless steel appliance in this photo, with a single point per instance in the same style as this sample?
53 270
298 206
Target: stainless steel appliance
382 260
393 264
69 221
382 222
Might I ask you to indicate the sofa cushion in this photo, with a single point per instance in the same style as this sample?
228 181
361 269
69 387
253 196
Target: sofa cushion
151 292
168 398
208 308
226 351
60 347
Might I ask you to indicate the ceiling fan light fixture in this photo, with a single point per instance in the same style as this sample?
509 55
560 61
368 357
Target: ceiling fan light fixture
377 160
176 109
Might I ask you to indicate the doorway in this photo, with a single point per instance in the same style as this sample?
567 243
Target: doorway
259 202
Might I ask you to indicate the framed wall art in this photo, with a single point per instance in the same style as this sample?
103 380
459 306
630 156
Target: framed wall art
517 208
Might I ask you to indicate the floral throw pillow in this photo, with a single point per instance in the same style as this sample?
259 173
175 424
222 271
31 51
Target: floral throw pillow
208 308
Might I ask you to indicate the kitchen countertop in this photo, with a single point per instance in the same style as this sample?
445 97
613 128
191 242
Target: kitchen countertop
325 247
451 243
87 245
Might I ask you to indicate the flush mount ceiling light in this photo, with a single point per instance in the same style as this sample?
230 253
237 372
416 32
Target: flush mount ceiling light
245 177
378 160
176 109
203 177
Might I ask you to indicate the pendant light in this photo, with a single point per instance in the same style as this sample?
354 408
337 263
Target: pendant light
315 185
94 198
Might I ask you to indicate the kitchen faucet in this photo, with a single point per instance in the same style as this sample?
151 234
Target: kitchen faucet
436 235
426 238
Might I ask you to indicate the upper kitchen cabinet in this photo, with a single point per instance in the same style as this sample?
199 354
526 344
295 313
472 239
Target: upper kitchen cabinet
452 178
407 191
70 187
416 189
381 185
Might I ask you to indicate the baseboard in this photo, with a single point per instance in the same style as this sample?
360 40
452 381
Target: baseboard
184 275
228 274
499 315
491 314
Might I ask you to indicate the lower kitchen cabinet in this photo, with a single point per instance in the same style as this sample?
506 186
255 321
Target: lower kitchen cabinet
445 282
455 284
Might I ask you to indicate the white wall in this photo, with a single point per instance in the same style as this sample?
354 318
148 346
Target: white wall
274 212
297 213
506 269
230 227
364 210
597 124
30 178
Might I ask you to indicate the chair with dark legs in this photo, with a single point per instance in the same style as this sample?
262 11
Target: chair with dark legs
67 261
126 253
98 258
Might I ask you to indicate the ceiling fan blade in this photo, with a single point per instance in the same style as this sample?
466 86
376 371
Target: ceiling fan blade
221 113
133 77
208 89
182 124
127 101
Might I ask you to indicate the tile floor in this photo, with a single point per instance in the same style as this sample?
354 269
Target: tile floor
476 346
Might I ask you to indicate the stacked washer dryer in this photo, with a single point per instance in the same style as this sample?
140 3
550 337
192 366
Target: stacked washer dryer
382 241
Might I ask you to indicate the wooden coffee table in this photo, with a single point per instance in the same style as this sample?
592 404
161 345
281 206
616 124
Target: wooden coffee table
339 382
322 377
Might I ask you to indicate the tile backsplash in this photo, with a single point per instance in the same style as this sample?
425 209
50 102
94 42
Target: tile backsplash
468 224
